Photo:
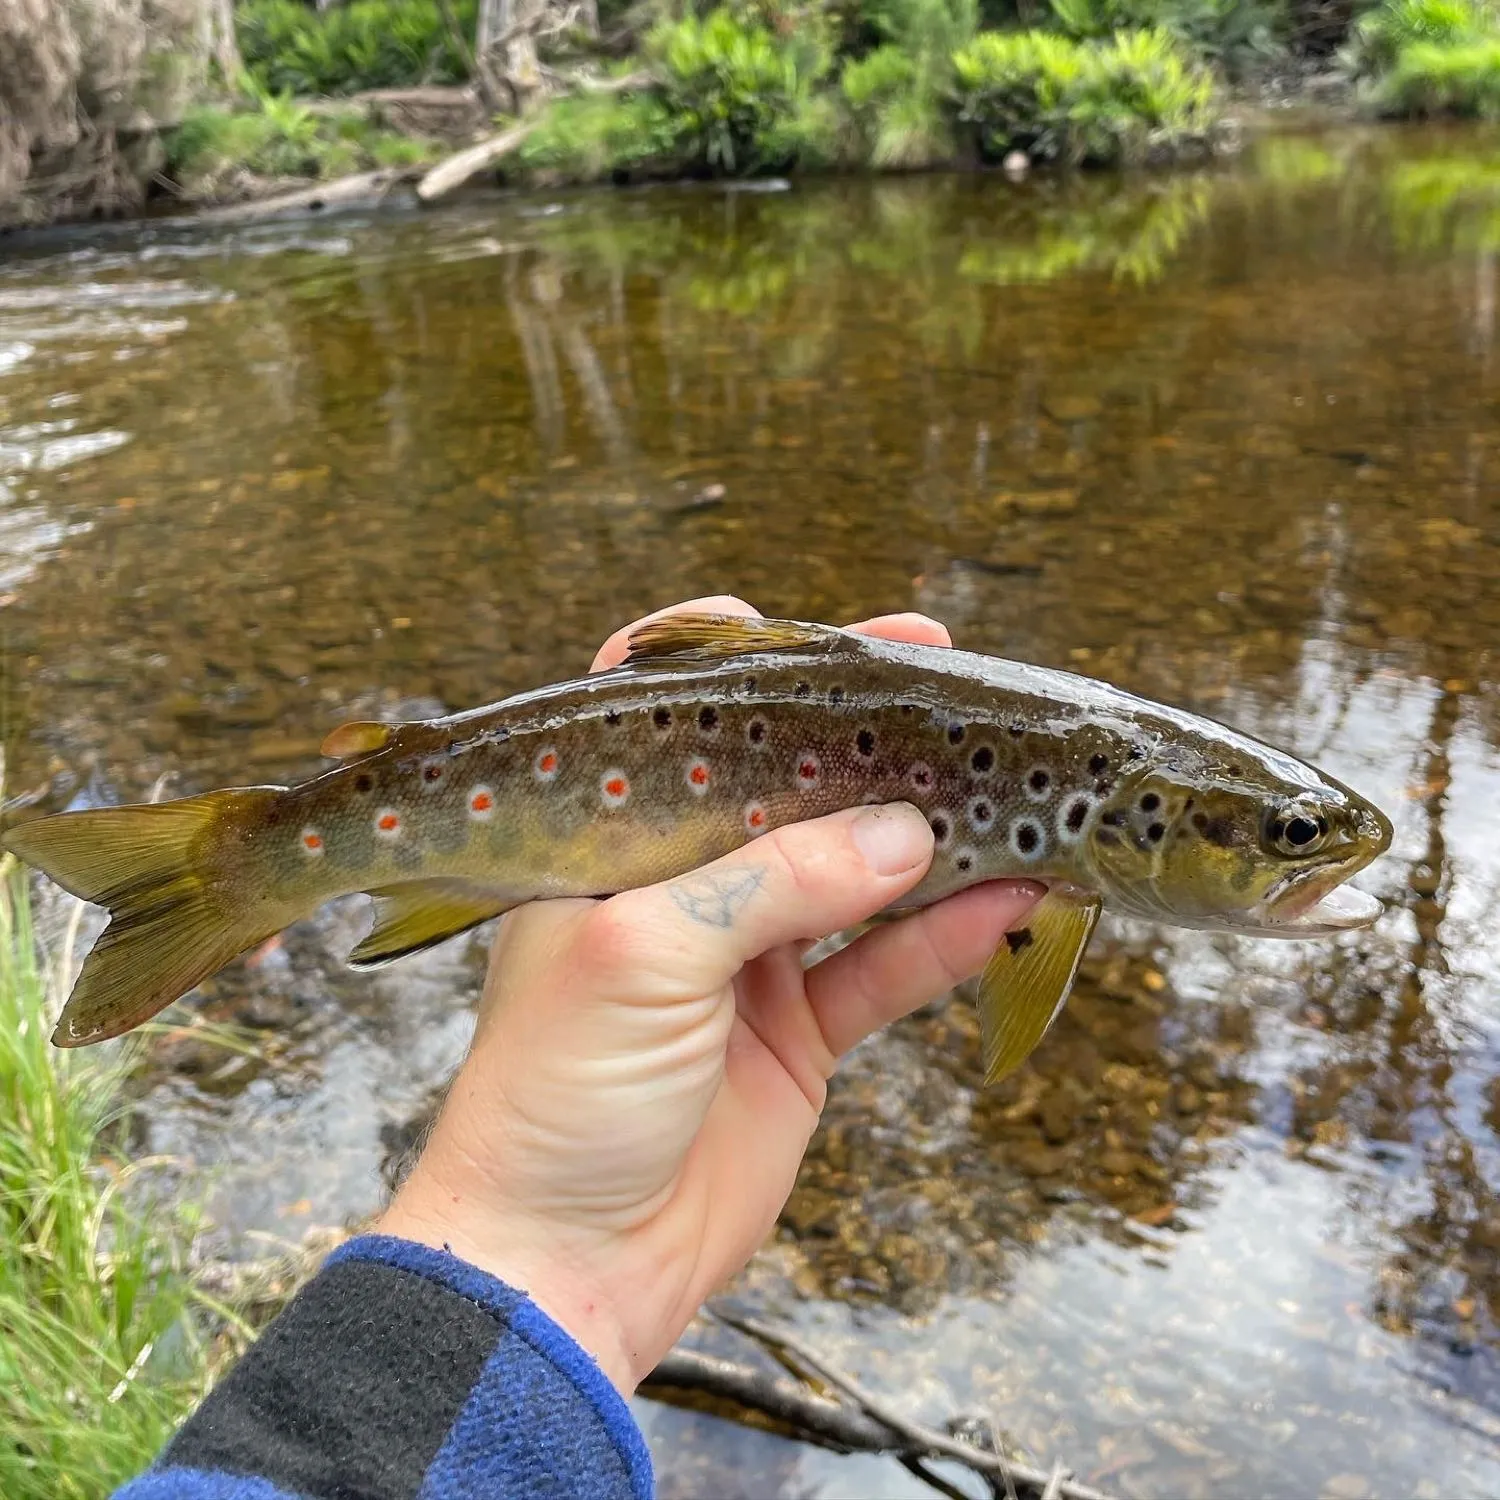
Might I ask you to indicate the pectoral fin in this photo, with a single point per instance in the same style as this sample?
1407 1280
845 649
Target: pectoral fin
418 913
1029 976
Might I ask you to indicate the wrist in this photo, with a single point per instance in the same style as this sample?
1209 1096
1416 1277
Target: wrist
529 1258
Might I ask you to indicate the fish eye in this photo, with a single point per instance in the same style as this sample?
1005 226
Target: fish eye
1295 831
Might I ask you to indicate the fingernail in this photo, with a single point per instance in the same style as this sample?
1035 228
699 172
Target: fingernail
892 839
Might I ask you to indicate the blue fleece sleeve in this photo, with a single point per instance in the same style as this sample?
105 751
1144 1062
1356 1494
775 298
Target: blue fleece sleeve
403 1373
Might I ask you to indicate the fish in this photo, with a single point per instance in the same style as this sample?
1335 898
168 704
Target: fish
713 731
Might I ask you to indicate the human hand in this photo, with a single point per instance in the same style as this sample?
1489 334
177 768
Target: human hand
647 1070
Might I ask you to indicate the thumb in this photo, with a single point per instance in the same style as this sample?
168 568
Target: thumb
804 880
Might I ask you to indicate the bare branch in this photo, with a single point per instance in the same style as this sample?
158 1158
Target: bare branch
454 171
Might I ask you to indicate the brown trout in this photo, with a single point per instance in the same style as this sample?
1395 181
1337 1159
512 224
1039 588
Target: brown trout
714 730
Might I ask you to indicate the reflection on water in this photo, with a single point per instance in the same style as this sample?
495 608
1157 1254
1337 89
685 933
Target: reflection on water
1228 439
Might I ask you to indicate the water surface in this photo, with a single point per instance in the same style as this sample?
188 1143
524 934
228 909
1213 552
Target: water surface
1228 439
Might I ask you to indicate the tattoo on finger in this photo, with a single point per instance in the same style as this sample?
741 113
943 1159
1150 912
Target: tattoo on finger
716 897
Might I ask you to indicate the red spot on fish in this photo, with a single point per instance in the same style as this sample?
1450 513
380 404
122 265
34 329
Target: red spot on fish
698 776
312 842
388 822
614 787
545 765
809 769
548 762
481 802
756 818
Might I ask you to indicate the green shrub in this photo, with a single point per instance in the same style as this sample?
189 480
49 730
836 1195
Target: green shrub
1379 36
1231 31
734 89
1124 99
1431 78
900 94
290 48
595 135
281 138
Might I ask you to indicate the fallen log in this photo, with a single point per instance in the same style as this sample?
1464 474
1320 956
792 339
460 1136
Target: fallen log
357 190
452 172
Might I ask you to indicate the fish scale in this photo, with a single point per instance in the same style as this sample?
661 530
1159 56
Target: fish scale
714 732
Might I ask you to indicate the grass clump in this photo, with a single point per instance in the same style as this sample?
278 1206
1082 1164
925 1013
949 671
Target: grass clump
290 48
101 1347
1131 97
278 137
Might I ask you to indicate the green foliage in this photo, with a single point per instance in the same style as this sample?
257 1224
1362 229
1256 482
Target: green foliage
899 95
1230 31
101 1353
1380 35
1430 78
734 89
1128 98
290 48
598 135
281 138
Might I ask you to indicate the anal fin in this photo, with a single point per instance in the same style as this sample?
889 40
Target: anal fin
1029 977
416 914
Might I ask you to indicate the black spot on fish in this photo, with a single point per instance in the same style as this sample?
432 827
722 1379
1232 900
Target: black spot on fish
964 862
662 718
748 685
432 773
1016 941
755 731
708 718
1040 780
1218 831
864 742
1150 802
982 760
982 812
908 708
1137 752
1156 832
956 733
835 696
939 827
1018 729
802 689
1076 814
612 718
1098 764
1027 838
363 782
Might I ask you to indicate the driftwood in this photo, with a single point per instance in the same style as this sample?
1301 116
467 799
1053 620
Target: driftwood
860 1422
454 171
356 190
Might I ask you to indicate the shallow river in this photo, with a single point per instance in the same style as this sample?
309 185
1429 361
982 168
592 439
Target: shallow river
1229 439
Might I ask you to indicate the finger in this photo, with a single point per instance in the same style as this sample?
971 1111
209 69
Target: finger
891 971
694 933
613 651
920 630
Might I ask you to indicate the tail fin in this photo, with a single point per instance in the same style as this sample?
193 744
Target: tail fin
172 922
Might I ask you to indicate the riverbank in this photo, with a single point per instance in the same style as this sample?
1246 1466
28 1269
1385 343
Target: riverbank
309 110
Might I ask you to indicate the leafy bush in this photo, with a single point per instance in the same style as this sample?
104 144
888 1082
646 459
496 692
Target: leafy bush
596 135
281 138
1231 31
900 94
1430 78
290 48
1124 99
734 89
1380 35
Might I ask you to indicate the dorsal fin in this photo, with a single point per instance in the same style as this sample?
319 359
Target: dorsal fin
709 637
361 737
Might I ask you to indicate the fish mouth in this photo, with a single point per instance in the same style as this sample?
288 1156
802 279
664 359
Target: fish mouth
1317 901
